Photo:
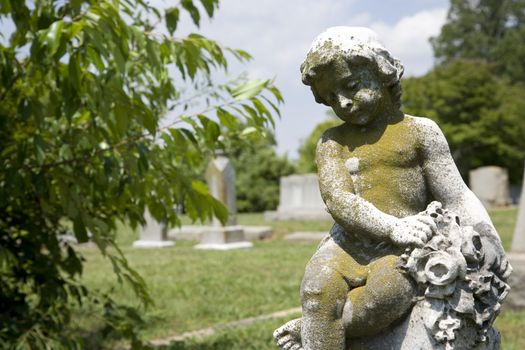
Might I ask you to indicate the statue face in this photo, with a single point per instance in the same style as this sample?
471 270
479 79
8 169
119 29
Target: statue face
353 91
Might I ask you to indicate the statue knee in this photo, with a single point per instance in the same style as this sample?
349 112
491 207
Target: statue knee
323 291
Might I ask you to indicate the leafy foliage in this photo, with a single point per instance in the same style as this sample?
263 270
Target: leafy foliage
483 117
489 30
306 162
103 113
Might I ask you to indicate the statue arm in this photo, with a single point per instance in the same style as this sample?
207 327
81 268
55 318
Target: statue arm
443 178
354 213
447 187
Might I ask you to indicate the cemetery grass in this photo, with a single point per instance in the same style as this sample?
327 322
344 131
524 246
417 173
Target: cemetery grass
195 289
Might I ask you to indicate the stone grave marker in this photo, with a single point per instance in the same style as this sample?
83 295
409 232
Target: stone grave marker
299 199
153 234
491 185
220 176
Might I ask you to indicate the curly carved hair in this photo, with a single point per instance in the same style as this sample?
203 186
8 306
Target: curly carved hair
354 45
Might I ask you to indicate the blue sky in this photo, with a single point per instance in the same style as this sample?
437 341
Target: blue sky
278 34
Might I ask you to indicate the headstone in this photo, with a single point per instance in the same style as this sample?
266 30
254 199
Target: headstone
220 176
299 199
491 185
153 234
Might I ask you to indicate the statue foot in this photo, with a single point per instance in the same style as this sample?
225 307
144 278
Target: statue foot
288 336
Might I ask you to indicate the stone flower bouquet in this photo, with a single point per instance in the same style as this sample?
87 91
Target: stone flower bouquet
451 276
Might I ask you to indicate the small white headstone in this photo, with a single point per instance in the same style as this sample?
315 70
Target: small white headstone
153 235
299 199
491 185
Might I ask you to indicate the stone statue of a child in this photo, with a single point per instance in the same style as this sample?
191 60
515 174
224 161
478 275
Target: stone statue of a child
377 172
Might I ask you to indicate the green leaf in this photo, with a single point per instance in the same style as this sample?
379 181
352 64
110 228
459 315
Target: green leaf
276 93
220 211
74 71
193 11
249 89
200 187
226 119
249 131
172 18
209 6
53 35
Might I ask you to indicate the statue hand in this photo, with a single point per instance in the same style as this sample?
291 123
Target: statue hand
413 230
494 257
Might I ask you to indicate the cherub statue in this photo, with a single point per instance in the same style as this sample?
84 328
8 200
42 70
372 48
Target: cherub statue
378 171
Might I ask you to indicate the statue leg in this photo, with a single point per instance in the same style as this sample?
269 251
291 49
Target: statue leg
328 278
385 298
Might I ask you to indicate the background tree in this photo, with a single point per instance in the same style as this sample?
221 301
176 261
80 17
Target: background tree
258 171
306 162
488 30
104 112
482 116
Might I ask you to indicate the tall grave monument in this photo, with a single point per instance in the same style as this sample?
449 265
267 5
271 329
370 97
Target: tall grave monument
220 176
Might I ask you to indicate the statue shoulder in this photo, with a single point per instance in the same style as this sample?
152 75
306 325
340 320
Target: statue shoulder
330 139
423 124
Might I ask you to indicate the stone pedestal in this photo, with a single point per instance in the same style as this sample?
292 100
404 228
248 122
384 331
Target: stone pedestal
412 334
196 233
153 235
223 238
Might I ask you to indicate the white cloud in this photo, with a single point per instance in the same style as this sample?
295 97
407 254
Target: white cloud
278 34
408 39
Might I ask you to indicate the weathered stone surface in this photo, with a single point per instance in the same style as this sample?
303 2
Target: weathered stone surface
391 246
195 232
223 238
491 185
518 240
153 234
299 199
413 334
220 176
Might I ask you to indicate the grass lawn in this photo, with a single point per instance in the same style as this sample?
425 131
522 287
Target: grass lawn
194 289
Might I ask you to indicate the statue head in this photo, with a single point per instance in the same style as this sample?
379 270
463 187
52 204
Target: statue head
352 54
